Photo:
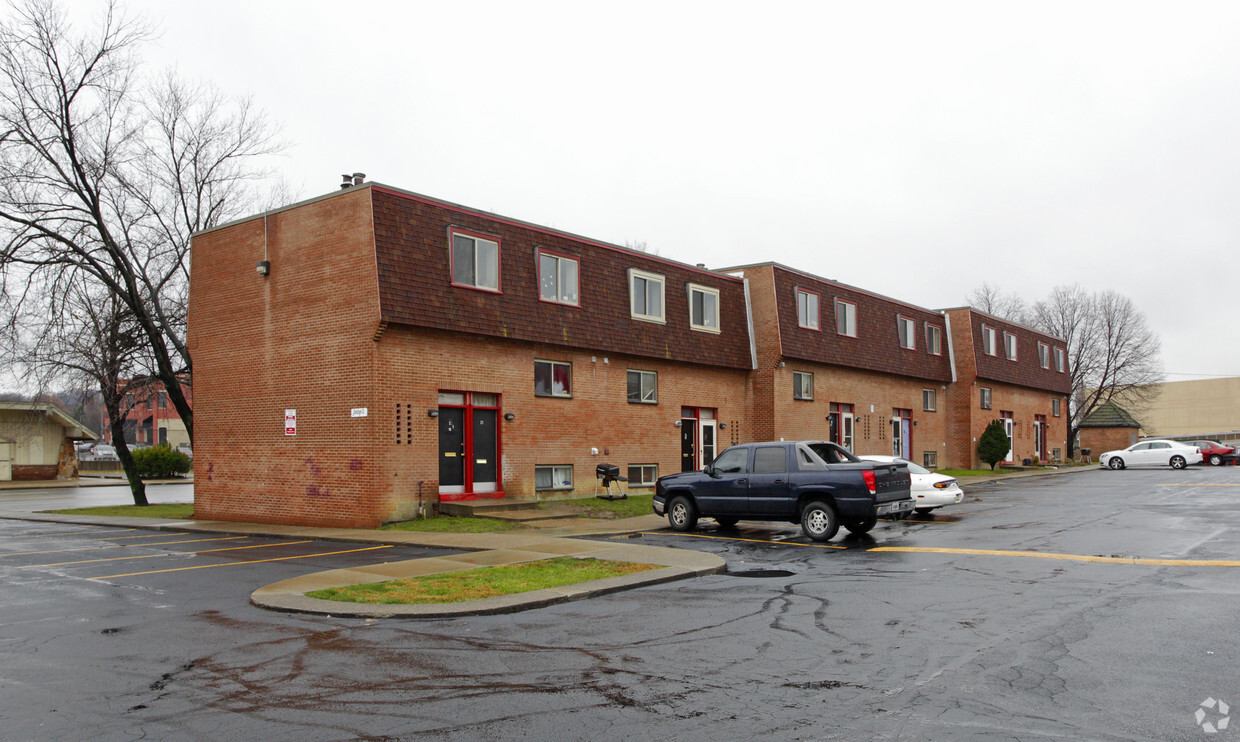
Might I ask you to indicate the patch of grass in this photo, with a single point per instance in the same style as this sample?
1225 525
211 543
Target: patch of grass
451 524
485 582
593 507
177 510
968 472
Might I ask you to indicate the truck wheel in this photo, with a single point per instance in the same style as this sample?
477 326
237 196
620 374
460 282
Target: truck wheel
1215 459
1178 462
1116 463
726 522
861 527
819 522
681 514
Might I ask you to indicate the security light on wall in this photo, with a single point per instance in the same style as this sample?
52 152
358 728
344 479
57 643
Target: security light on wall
432 413
263 267
676 424
509 416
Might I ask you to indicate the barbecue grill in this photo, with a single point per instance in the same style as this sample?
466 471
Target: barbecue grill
608 475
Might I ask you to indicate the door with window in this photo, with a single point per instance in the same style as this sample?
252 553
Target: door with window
901 432
840 424
1009 426
1039 436
469 445
698 444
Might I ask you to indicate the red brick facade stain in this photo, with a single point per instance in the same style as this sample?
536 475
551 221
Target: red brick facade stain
359 314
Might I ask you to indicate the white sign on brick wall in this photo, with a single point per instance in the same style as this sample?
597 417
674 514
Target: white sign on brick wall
290 422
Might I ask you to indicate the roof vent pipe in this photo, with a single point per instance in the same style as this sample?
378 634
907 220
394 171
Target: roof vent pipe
348 181
359 178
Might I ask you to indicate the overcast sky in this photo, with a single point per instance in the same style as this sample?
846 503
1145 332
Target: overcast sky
913 149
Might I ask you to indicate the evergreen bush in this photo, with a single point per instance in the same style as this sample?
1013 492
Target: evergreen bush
994 444
161 462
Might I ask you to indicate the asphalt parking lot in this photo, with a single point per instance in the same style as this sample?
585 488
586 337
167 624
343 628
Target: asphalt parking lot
1092 605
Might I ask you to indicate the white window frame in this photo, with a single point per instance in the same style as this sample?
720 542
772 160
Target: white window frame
642 481
568 393
561 263
634 275
990 340
906 328
478 239
934 339
846 323
1009 346
929 400
1044 355
798 385
705 291
805 318
641 394
555 477
1059 360
1056 407
930 459
986 401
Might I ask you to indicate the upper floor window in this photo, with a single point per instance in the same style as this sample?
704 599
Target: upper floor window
162 398
646 296
553 379
934 340
557 278
802 385
643 387
990 341
929 400
129 400
1055 408
845 318
1044 355
703 308
985 398
908 337
1059 360
1009 346
475 261
807 309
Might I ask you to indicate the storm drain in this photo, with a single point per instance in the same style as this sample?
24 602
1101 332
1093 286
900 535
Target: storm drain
762 573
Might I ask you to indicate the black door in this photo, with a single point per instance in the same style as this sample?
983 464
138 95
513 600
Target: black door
451 447
484 459
688 444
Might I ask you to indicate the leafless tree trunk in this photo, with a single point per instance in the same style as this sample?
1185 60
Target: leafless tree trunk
994 301
106 175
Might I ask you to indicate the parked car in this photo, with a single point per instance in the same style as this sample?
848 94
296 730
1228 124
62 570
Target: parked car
1212 452
818 484
1152 453
104 451
186 449
930 489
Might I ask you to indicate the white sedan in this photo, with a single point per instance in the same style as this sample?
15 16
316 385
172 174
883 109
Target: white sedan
929 490
1152 453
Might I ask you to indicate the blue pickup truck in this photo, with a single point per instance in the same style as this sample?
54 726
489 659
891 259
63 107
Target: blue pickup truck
815 483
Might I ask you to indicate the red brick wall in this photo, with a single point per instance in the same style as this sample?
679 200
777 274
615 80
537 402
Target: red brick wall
33 473
1101 440
1024 403
414 365
300 339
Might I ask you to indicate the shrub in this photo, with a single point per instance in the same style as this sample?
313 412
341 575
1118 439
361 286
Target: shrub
160 462
994 444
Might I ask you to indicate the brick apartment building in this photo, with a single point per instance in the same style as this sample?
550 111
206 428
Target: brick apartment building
393 351
150 418
1011 373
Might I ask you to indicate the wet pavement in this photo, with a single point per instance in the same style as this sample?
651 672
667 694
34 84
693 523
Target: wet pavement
797 641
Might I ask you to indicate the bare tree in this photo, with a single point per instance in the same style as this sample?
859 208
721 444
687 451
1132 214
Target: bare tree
994 301
1113 355
107 176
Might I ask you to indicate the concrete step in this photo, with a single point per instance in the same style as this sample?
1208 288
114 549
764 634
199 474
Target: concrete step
484 508
527 516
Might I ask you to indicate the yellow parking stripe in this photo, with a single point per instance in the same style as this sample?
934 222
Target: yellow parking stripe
164 554
234 564
1070 557
121 546
751 540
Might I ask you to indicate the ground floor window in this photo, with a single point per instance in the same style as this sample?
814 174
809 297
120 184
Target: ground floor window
930 459
558 477
643 475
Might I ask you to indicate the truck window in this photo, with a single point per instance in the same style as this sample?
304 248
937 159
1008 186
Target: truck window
732 461
770 460
833 454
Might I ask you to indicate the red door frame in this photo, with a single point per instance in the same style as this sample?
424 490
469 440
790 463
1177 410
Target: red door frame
469 408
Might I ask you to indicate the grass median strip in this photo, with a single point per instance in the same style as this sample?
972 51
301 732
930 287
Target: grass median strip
485 582
176 510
